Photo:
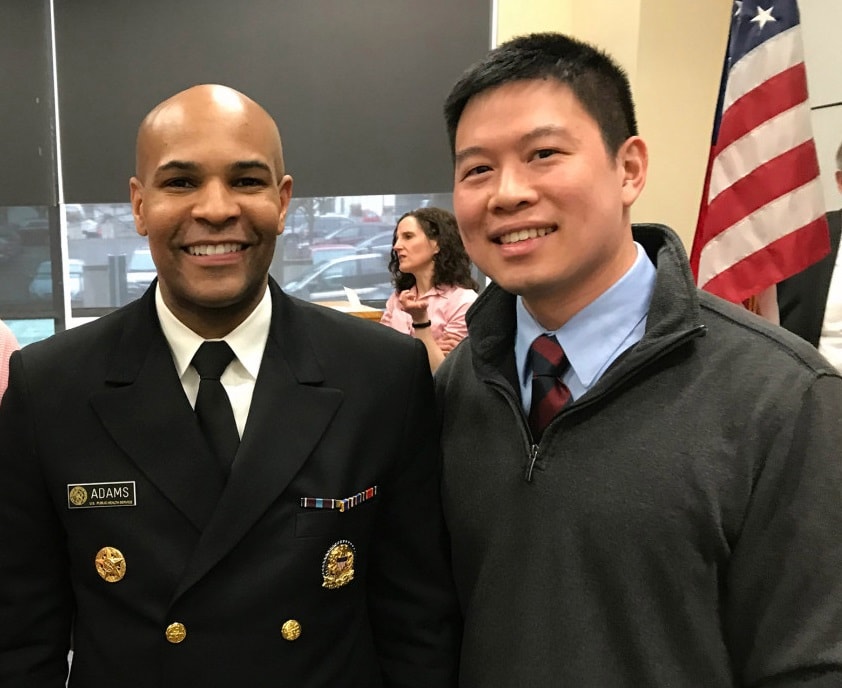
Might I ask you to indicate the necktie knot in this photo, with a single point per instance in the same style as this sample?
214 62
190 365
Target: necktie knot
212 359
548 359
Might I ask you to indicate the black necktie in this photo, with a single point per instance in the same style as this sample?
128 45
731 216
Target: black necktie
549 393
213 408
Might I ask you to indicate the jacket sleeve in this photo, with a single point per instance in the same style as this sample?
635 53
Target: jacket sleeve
36 606
412 599
783 590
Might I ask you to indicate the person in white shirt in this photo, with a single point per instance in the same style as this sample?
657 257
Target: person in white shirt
810 303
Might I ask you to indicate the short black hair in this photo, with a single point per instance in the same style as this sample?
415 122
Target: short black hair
451 265
598 82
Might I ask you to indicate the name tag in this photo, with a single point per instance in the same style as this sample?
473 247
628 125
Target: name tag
92 495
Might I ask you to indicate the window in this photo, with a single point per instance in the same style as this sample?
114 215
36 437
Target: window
328 245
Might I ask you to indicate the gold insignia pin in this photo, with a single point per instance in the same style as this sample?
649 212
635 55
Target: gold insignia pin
291 630
110 564
338 565
175 633
78 495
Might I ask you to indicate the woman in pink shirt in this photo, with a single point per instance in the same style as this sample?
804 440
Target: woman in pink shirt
433 282
8 344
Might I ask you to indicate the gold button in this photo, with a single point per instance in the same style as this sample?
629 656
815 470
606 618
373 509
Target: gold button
176 632
110 564
291 630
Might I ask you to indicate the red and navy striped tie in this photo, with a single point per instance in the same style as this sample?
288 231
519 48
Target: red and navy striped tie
549 393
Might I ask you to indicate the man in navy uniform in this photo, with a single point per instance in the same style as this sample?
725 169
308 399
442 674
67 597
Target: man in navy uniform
315 556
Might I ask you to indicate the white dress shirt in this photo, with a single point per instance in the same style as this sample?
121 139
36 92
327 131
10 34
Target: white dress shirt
247 341
830 342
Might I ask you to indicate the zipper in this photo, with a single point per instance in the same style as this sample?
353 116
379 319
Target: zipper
529 468
531 447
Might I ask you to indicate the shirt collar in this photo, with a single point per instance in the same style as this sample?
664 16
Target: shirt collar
592 336
247 340
433 291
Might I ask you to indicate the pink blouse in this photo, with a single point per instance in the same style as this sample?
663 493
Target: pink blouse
446 307
8 344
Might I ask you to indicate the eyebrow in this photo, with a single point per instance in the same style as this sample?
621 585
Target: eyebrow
187 166
251 164
538 132
467 153
547 130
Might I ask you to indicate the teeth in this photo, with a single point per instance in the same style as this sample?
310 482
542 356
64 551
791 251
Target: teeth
213 249
524 234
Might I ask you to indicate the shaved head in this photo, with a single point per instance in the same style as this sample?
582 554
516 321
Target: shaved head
210 194
190 106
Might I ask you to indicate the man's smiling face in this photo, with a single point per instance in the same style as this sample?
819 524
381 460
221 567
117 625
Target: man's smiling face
210 194
542 207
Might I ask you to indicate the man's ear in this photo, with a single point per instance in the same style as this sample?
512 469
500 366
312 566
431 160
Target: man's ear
633 160
839 180
285 195
136 194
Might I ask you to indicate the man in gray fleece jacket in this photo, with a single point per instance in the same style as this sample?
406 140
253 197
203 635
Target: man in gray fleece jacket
678 522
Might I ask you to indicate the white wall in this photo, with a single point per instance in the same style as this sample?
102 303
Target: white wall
821 22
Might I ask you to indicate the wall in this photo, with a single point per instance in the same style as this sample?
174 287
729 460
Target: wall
680 53
821 22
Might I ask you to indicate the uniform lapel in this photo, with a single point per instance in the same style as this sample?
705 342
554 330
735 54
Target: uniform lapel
289 413
148 416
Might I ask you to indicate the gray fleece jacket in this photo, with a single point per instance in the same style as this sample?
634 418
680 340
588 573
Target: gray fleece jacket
678 525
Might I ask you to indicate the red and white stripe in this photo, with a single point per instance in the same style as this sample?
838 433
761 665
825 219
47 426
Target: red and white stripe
764 216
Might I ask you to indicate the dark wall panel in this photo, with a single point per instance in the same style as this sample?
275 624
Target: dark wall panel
357 87
26 105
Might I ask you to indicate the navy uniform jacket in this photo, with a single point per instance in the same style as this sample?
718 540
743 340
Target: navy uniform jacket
802 298
340 405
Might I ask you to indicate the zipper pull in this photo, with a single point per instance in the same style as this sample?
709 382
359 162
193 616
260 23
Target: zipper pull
532 454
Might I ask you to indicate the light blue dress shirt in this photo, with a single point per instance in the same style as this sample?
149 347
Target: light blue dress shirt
596 336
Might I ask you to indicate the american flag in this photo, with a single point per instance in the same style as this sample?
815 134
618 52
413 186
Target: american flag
762 213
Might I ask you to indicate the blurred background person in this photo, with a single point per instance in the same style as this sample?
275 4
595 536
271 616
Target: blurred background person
810 303
433 283
8 344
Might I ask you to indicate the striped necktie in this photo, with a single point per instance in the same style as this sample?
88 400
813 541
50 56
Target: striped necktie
549 393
